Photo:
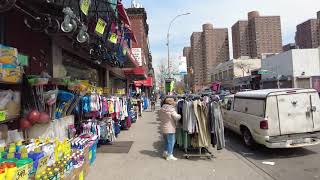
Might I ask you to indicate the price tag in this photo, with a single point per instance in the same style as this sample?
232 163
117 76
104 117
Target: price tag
101 25
42 164
3 115
81 175
113 38
85 5
22 173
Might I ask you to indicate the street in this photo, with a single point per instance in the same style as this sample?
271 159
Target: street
290 164
144 160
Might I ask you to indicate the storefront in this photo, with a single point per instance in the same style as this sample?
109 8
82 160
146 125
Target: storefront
57 82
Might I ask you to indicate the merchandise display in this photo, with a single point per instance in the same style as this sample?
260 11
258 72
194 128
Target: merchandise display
47 158
70 119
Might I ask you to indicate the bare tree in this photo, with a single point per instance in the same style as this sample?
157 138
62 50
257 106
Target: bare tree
244 67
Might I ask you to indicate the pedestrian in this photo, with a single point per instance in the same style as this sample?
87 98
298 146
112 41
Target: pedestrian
153 102
169 117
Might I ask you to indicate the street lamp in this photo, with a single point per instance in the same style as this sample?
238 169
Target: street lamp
168 38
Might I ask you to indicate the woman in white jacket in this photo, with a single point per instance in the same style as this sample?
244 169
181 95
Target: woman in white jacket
169 117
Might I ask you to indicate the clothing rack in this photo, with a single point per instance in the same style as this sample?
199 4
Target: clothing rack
202 151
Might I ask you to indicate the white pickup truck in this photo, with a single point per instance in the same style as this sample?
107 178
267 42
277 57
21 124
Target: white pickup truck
276 118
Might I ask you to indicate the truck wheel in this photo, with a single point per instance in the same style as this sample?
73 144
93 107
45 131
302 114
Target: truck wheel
248 139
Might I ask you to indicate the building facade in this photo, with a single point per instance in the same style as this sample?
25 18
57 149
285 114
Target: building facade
308 33
141 48
257 37
208 49
228 72
302 66
196 61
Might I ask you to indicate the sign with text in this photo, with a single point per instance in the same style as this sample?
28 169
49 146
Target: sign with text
137 54
101 25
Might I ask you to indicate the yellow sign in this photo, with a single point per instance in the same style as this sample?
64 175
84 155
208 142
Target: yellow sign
113 38
42 164
81 175
106 90
85 5
101 25
100 90
120 91
3 115
22 173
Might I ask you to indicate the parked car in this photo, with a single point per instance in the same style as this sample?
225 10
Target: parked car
276 118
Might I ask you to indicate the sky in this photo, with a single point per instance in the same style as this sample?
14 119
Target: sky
221 13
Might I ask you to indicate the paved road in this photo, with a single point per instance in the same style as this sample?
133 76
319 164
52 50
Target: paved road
290 164
144 161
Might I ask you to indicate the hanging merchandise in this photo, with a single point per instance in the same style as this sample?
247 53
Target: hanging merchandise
201 125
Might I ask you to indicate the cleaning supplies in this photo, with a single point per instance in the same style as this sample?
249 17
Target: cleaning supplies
36 155
11 170
26 160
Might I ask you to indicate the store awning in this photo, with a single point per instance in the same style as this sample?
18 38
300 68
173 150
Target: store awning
147 83
138 73
123 14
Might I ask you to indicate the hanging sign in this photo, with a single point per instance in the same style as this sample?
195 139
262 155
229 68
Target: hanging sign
3 115
85 5
100 27
113 38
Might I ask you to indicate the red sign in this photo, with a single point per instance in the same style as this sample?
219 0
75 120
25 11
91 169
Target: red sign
148 82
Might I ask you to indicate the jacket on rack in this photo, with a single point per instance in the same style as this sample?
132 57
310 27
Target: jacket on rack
203 136
216 125
168 117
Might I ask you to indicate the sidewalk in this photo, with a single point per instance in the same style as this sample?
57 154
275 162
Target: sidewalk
144 161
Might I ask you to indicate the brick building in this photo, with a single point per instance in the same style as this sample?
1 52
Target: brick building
308 33
256 37
208 49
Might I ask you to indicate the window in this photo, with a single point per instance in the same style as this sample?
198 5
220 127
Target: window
254 107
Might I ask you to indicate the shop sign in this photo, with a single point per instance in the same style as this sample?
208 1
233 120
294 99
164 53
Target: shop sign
100 27
3 115
137 54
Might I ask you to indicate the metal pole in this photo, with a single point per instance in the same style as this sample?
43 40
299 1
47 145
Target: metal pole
168 39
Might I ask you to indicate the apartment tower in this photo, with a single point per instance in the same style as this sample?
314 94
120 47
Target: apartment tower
256 37
308 33
208 49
